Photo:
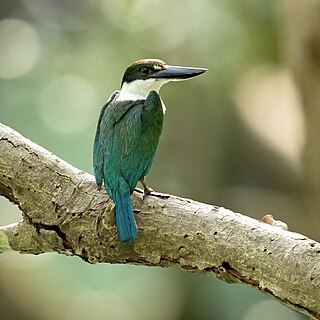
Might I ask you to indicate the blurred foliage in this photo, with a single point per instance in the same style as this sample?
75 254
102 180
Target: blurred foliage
232 137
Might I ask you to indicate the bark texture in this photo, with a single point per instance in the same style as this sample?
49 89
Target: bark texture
64 212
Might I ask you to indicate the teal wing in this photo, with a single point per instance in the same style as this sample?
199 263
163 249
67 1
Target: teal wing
129 136
97 146
141 158
138 160
152 124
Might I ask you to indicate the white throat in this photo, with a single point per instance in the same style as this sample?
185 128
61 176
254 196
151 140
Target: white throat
139 90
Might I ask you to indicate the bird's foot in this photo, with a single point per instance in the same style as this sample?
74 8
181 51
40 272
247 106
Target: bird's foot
146 190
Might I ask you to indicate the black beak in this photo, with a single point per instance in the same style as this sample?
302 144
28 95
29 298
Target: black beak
178 73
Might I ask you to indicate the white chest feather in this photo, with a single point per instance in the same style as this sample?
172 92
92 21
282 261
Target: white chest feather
139 90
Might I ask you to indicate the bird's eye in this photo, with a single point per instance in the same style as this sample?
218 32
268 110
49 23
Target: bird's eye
144 70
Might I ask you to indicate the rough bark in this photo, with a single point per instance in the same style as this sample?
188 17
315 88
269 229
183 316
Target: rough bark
64 212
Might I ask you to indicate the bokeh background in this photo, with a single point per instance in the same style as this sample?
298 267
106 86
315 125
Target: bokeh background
244 136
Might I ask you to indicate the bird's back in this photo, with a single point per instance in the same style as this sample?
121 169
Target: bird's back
126 140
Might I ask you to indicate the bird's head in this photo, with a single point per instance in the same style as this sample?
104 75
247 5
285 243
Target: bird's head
144 76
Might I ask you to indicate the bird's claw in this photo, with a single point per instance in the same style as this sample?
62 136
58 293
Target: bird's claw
146 190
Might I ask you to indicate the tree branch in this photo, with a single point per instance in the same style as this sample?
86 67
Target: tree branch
64 212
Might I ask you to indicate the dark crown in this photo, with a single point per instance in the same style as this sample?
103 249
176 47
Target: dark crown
142 69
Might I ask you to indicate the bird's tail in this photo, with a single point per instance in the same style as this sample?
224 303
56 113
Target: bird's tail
127 227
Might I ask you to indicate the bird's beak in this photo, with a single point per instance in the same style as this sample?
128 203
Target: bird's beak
178 73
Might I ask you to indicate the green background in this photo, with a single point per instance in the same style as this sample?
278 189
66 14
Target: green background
232 137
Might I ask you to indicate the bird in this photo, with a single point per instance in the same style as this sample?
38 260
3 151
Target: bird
128 132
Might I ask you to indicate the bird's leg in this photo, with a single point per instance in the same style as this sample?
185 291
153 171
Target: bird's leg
146 190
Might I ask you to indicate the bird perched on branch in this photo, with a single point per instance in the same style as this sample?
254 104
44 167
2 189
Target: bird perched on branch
128 132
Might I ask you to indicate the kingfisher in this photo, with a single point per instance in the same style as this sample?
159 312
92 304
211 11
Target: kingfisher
128 132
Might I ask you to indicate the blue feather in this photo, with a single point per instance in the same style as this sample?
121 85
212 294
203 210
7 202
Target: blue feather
98 144
127 227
